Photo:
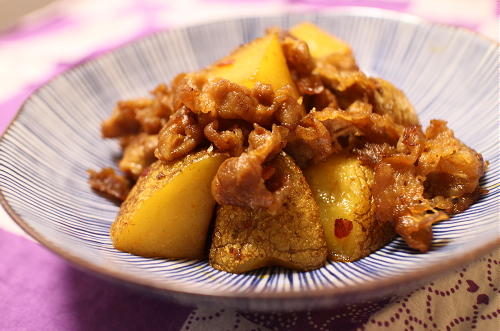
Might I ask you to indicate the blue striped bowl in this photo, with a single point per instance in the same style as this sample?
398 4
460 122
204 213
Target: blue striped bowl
446 72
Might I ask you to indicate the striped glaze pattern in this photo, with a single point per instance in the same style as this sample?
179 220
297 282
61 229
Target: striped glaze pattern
447 73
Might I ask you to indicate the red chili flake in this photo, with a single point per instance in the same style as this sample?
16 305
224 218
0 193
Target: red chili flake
342 227
160 176
235 252
145 172
224 63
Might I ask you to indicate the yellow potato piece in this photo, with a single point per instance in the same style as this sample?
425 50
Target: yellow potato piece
342 188
261 60
168 212
247 239
319 41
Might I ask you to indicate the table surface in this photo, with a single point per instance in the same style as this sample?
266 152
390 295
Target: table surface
63 298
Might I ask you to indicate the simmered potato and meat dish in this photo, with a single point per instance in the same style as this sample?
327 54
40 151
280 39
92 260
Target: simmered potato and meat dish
282 153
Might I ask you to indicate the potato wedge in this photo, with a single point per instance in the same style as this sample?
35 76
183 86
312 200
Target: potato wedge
342 188
246 239
261 60
320 42
168 212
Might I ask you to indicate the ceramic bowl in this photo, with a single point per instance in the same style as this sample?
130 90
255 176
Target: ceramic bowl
446 72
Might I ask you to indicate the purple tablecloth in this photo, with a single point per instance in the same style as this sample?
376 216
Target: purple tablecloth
40 291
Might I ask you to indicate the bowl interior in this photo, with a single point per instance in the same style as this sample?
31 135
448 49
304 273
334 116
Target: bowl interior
447 73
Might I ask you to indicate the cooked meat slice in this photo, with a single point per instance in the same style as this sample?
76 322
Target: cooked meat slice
109 183
123 121
388 99
139 115
322 100
301 66
358 121
287 111
422 176
328 131
138 154
340 72
309 141
179 136
230 140
452 169
222 98
297 56
239 180
399 198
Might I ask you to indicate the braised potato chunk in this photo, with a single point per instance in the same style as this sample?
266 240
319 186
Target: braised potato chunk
320 42
260 61
168 212
342 187
247 239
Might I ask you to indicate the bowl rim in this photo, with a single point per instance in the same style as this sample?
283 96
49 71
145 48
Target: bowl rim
369 288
